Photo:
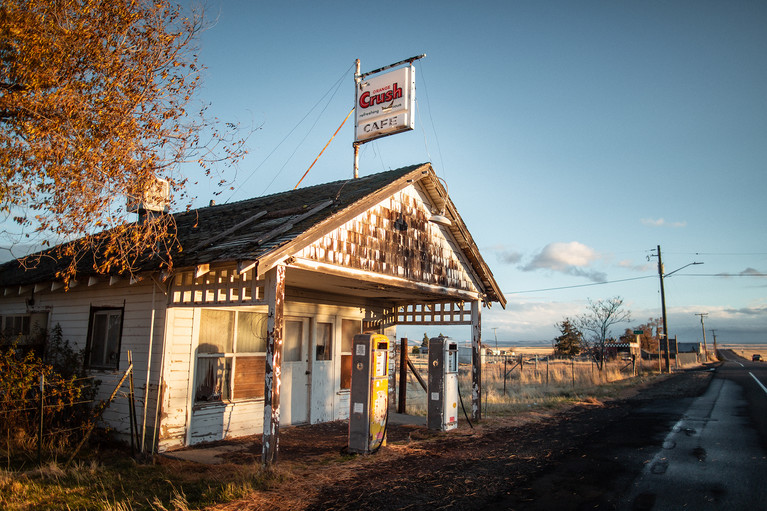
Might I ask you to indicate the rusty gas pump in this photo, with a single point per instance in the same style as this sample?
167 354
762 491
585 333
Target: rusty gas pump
442 407
369 396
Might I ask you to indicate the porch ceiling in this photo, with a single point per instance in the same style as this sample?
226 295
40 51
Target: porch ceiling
382 289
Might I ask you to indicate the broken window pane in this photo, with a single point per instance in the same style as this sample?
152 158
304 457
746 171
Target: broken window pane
324 341
213 378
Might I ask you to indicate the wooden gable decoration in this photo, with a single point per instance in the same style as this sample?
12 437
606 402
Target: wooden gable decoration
395 238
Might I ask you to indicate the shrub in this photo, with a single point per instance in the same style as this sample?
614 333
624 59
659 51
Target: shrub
66 394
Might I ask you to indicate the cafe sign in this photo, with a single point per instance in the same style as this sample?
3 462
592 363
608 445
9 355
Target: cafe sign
385 104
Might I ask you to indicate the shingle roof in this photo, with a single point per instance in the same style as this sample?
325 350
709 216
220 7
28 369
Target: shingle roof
251 229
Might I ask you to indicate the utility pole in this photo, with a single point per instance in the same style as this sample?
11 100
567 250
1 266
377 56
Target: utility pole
356 145
496 339
663 310
713 332
663 275
703 326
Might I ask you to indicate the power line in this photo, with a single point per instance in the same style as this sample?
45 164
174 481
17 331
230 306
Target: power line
578 285
334 88
721 275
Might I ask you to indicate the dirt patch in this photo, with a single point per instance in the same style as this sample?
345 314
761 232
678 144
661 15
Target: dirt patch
576 457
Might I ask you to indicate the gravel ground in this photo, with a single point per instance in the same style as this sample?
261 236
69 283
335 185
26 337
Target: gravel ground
579 456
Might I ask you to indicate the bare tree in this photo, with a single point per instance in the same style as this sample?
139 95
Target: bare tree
96 104
597 321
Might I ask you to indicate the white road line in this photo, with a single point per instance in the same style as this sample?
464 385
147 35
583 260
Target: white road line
757 381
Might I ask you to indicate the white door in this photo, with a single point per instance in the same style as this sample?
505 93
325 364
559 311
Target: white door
294 388
323 382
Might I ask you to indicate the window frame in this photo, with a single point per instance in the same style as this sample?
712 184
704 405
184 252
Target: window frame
94 311
345 357
230 356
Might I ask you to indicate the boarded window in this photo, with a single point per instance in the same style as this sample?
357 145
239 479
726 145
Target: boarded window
249 377
349 328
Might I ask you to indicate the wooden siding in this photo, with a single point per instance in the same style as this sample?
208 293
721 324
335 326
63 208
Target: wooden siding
423 252
176 378
184 423
71 311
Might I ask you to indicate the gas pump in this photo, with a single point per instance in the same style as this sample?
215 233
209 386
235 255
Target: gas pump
369 393
442 408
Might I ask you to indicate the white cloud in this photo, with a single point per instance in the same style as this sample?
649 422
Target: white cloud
660 222
571 258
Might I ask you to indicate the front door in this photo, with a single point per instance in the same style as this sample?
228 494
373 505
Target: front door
323 382
294 388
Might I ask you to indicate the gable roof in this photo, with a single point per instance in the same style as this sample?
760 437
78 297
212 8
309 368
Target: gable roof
270 228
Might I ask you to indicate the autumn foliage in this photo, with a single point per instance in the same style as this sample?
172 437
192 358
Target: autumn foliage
96 103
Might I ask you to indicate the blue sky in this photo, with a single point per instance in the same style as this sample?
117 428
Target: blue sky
575 137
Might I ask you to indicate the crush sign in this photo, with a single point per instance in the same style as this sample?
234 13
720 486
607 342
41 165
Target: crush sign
385 104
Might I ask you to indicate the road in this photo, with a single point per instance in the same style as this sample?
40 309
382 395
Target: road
714 456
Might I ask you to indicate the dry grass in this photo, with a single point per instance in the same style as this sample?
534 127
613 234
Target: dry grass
541 384
746 350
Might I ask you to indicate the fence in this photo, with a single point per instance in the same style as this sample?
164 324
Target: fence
38 406
510 380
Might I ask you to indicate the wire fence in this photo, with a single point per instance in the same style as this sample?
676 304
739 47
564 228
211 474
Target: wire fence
45 414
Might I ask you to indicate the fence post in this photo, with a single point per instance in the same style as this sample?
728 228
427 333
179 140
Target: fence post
402 401
572 370
547 371
504 375
42 411
134 435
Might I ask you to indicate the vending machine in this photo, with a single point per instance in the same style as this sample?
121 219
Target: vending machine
442 406
369 393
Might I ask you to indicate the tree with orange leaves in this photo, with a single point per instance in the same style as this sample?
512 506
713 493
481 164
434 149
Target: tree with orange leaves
96 105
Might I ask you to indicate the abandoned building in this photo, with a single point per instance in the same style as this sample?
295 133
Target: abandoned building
298 273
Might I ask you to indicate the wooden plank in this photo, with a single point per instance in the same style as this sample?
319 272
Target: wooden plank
229 231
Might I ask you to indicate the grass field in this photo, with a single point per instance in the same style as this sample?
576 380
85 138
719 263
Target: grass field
532 384
746 350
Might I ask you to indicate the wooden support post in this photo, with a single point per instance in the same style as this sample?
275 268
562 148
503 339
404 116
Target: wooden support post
42 415
402 401
274 290
476 361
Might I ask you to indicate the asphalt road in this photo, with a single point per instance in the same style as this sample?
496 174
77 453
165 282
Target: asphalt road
714 456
